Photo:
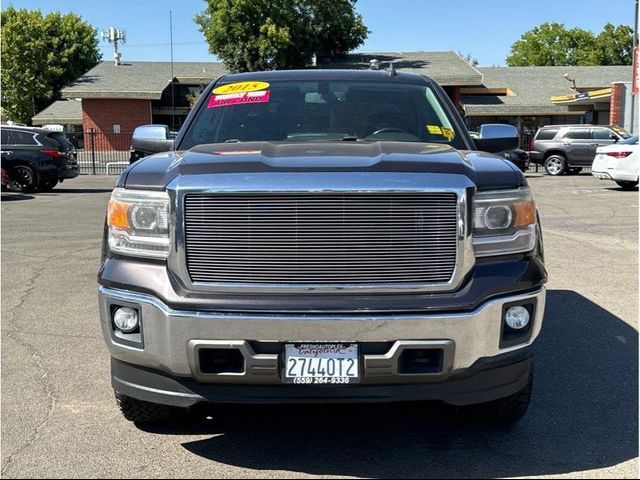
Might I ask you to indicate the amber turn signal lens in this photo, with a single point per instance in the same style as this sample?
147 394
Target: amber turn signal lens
525 213
117 214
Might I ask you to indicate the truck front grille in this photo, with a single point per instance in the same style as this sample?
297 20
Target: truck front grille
327 238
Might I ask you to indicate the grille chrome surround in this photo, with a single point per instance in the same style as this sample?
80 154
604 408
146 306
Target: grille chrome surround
306 238
315 183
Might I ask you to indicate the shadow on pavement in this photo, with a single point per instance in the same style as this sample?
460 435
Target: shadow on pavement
12 197
583 416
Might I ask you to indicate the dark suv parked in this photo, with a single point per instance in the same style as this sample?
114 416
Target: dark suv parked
570 148
37 159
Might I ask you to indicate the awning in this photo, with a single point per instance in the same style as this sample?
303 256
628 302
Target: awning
580 98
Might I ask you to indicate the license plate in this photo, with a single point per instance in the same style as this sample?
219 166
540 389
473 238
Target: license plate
321 364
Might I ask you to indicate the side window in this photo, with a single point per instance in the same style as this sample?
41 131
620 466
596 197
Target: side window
601 133
5 136
23 138
578 134
547 133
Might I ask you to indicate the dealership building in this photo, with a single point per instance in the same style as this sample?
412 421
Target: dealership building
114 99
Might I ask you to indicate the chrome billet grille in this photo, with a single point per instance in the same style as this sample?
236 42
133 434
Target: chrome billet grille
327 238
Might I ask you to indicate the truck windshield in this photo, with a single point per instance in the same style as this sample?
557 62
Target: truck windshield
316 111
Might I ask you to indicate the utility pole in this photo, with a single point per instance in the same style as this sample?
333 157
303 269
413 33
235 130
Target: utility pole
114 35
173 101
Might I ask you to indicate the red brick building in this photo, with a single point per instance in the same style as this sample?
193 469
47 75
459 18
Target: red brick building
118 98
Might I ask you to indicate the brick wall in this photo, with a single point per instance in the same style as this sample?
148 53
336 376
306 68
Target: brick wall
617 104
101 114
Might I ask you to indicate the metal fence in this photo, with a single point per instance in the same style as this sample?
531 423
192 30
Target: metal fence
101 153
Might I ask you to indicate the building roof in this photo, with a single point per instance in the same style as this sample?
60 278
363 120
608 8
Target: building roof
447 68
528 90
60 112
140 80
147 80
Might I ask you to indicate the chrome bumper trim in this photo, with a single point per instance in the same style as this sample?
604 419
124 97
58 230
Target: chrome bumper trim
171 336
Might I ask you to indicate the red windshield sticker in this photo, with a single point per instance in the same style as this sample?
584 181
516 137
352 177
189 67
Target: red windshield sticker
239 98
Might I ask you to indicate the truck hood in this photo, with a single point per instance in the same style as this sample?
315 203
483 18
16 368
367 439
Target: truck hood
486 171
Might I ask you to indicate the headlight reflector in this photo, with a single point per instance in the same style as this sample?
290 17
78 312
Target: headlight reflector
138 223
504 222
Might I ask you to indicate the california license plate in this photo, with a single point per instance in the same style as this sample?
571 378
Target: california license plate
318 364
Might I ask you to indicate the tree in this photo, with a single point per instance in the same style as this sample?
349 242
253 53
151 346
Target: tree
40 56
470 59
554 44
616 45
267 34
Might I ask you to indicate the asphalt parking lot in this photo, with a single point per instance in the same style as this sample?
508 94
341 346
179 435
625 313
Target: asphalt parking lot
59 418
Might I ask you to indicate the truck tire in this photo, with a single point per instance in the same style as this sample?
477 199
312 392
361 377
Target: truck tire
139 411
503 411
627 185
555 165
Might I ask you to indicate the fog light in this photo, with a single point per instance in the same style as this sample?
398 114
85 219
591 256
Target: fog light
126 319
517 317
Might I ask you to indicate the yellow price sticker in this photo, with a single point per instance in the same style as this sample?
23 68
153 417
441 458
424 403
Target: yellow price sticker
240 87
448 132
434 129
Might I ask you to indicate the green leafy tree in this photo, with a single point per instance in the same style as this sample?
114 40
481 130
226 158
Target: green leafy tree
267 34
615 43
554 44
40 56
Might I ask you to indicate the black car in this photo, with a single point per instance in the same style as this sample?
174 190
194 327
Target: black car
518 157
37 159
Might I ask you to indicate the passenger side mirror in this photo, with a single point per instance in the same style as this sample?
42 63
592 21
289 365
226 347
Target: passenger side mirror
151 139
497 137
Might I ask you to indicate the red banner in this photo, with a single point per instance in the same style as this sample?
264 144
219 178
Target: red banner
636 72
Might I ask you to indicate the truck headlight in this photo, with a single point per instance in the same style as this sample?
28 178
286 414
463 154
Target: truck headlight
138 222
504 222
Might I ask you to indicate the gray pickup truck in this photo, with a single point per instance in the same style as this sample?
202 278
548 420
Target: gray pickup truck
322 236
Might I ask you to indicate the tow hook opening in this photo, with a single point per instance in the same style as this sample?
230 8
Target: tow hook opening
221 360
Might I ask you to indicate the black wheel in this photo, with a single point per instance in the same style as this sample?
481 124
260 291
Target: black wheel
574 171
555 165
48 185
503 411
140 411
22 179
627 185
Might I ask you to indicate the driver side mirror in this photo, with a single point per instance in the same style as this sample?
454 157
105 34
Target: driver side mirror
497 137
151 139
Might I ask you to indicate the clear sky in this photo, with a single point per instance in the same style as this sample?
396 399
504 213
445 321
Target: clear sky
485 29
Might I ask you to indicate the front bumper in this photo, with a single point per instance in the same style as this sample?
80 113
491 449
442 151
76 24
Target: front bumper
169 339
488 380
